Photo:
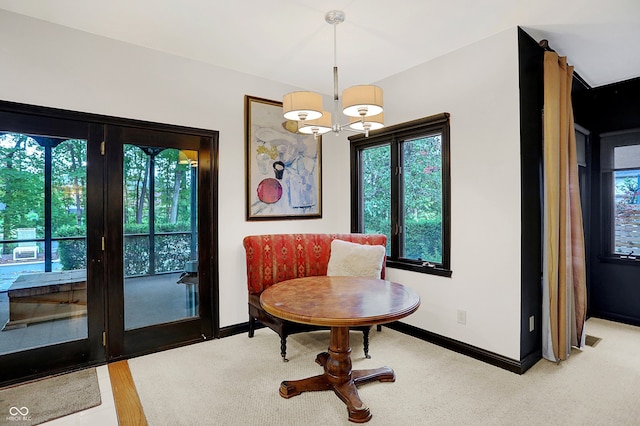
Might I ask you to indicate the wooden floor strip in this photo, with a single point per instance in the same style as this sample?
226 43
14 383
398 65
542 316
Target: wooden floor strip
125 395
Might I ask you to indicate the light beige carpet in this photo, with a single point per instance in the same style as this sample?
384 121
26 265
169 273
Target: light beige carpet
235 380
47 399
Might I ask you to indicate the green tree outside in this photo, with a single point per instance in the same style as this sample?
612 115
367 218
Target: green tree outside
422 199
22 185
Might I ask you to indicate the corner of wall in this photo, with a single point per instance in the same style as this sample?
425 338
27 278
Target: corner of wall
530 57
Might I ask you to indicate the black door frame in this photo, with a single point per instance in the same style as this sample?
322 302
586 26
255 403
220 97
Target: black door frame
32 363
121 343
95 350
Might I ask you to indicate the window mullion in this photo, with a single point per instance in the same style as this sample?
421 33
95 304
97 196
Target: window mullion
396 206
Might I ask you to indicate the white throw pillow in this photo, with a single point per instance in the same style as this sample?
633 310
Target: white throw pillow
355 260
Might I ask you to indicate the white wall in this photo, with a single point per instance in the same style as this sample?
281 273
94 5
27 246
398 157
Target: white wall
45 64
49 65
478 86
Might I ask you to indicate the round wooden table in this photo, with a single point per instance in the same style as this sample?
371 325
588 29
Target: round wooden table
340 303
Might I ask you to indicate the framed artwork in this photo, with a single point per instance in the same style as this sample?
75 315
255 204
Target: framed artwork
283 167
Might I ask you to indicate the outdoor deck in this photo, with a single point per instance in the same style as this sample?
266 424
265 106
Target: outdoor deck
148 300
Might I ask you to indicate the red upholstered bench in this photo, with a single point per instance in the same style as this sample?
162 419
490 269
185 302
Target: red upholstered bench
279 257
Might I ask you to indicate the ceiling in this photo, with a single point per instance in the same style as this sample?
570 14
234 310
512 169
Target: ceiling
290 42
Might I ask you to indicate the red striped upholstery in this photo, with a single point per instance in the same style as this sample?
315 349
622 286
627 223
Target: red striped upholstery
278 257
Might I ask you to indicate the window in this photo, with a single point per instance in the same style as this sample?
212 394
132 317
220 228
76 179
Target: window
400 187
620 167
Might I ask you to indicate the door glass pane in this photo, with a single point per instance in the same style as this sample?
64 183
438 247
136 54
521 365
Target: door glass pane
422 199
376 190
43 296
160 238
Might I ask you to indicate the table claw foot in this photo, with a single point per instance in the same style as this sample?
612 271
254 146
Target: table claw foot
290 388
348 393
382 374
287 390
359 416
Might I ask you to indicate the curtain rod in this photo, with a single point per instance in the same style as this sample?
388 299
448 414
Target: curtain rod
544 44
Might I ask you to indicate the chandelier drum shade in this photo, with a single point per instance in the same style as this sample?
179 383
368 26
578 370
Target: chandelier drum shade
318 126
364 124
302 106
362 103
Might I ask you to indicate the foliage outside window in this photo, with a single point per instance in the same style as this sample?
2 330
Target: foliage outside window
620 164
172 230
23 161
400 188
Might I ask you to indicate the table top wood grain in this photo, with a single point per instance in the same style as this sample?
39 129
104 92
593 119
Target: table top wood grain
339 301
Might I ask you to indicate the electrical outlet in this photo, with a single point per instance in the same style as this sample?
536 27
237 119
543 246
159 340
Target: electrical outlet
532 323
462 317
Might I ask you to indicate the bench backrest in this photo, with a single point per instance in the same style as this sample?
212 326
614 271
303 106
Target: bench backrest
273 258
26 234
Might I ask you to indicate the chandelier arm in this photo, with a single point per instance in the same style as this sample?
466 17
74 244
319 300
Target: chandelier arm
346 127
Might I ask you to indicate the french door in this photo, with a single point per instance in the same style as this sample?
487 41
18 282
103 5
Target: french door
158 239
51 262
107 239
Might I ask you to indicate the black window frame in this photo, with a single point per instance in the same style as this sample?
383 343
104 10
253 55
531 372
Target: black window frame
395 136
608 142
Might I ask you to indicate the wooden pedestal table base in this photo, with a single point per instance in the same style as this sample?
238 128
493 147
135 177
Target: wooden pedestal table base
339 376
339 303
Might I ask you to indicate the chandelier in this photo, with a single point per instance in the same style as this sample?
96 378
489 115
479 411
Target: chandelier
362 104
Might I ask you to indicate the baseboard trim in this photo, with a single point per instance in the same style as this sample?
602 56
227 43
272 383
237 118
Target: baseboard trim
518 367
614 317
529 361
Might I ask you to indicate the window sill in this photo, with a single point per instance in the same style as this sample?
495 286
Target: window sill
419 268
620 261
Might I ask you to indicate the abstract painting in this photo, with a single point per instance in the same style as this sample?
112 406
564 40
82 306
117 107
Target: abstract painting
283 167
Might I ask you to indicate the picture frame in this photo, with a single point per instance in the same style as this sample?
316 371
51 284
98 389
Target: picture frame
283 168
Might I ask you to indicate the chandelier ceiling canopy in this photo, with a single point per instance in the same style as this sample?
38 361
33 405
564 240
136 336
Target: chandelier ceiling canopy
363 104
